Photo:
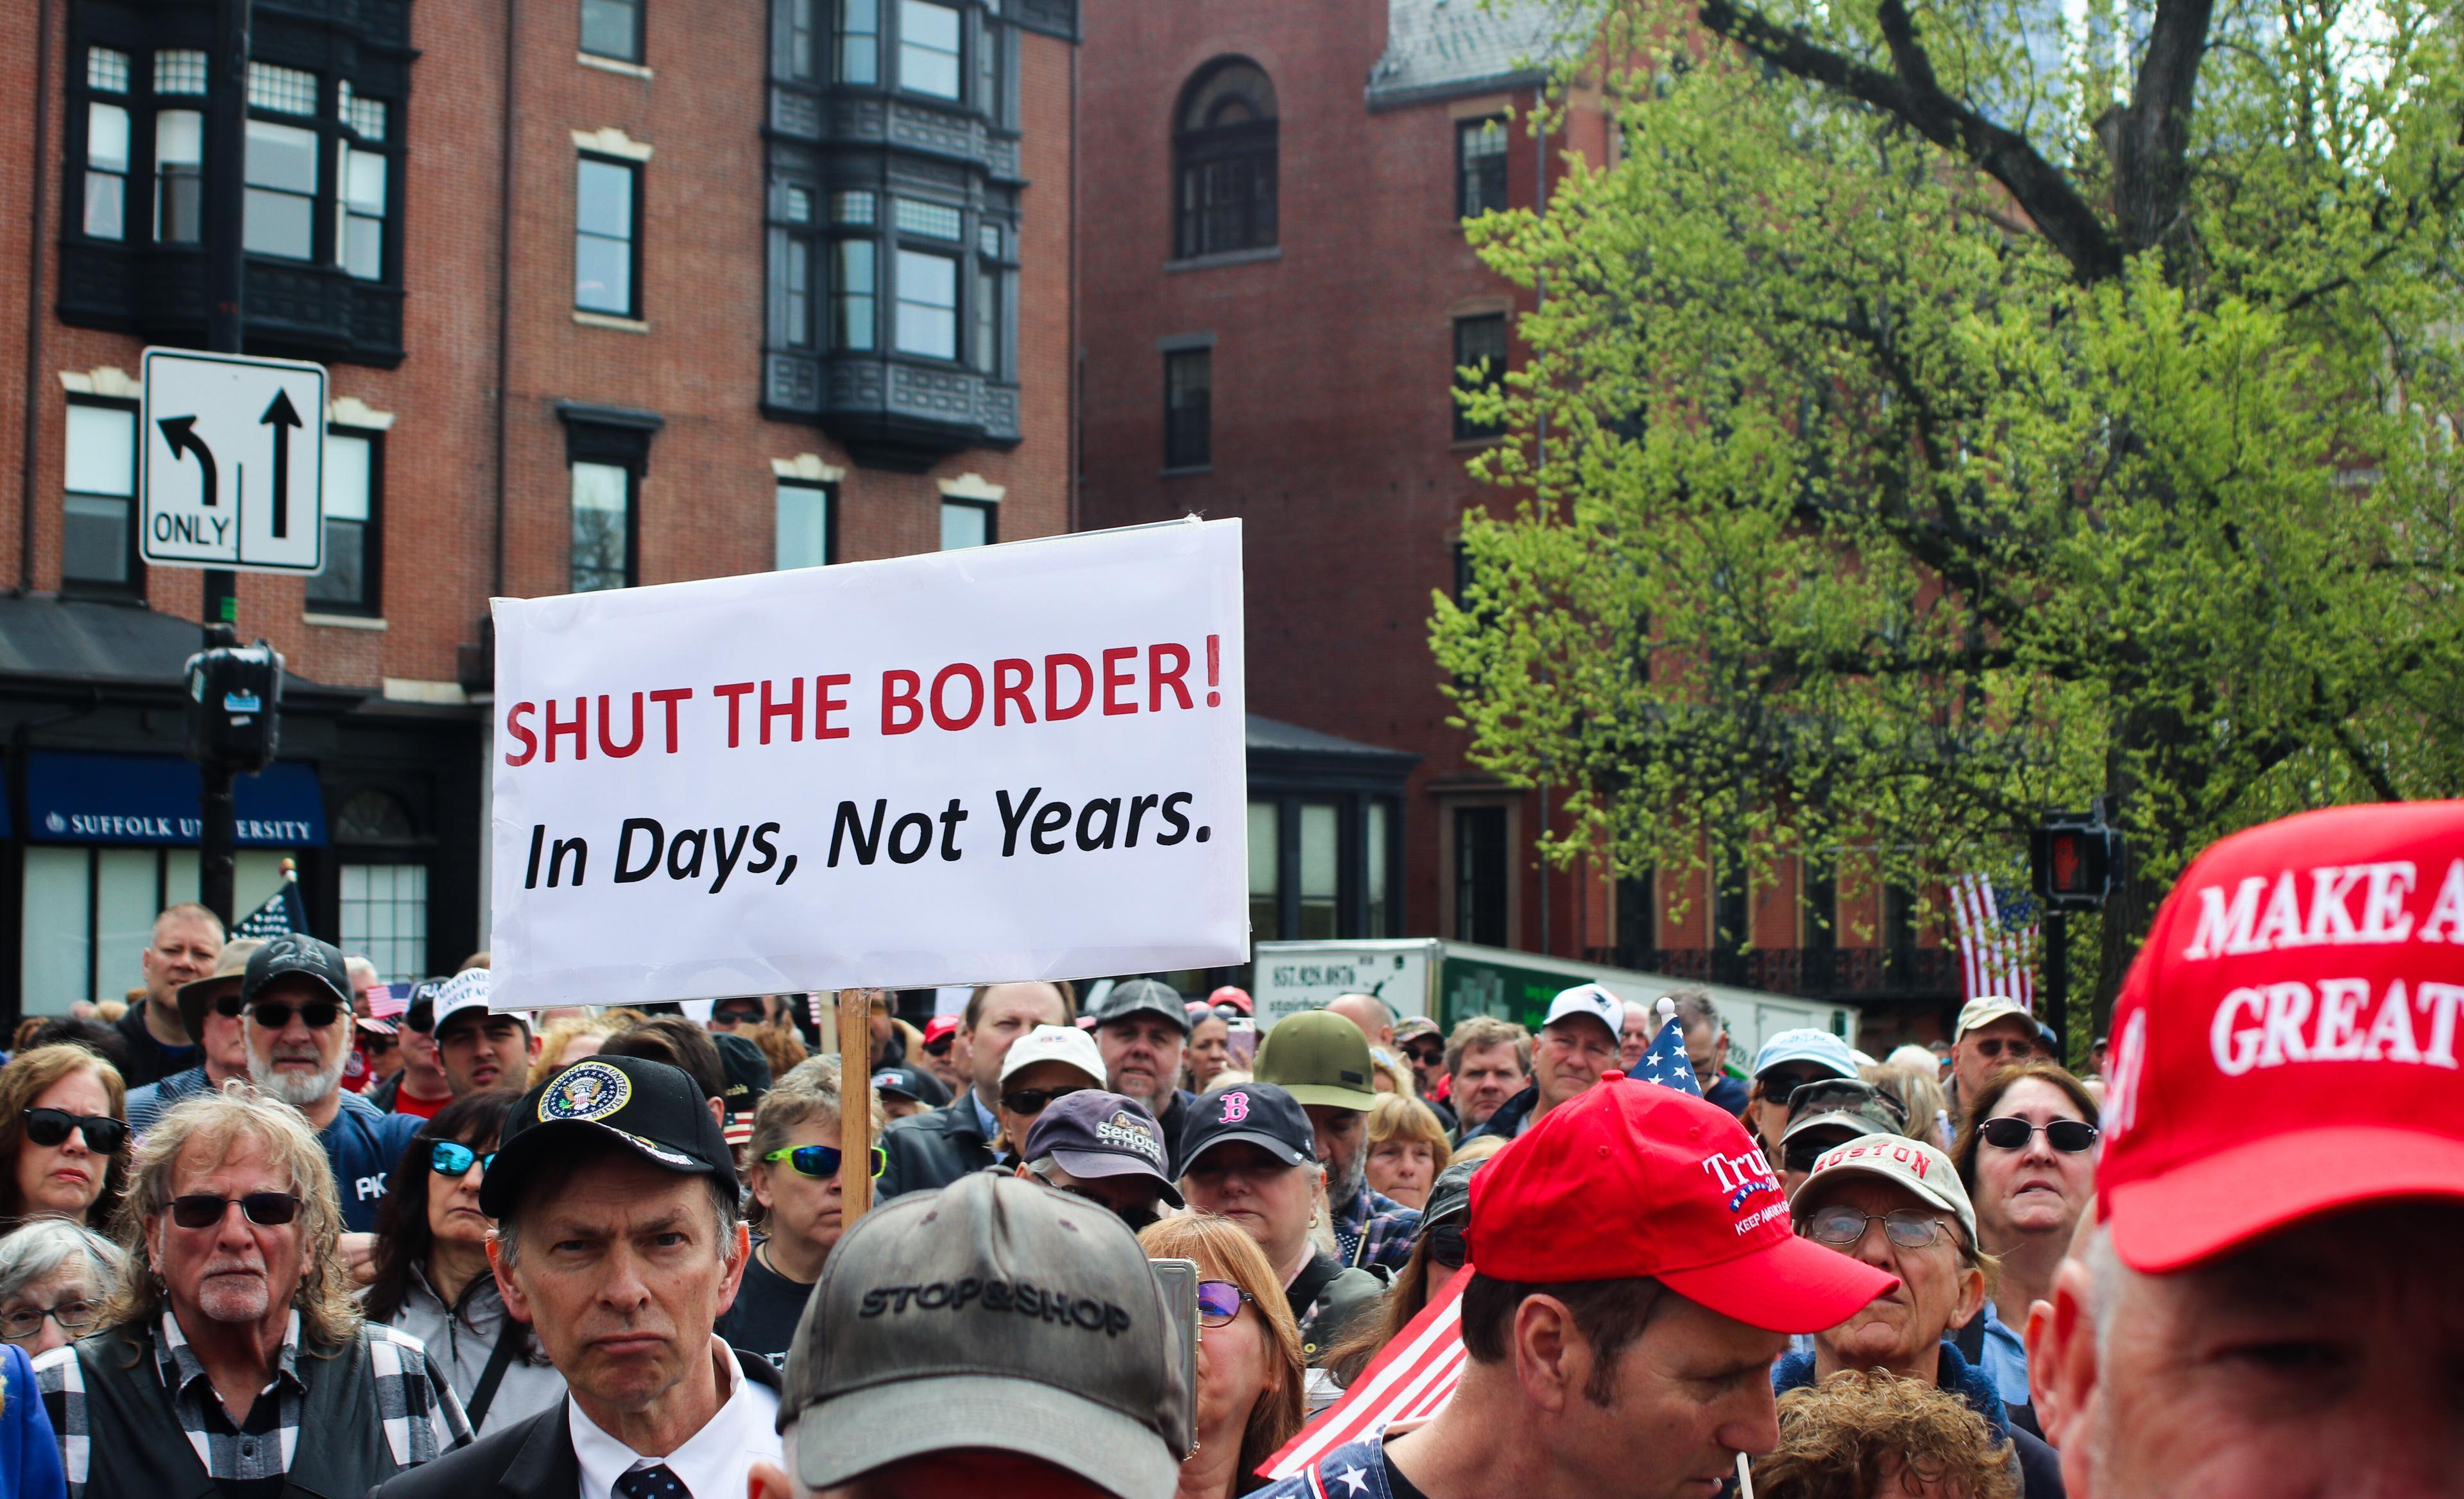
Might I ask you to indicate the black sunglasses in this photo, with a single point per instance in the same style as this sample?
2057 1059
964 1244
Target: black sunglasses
274 1014
1035 1100
1447 1246
205 1211
51 1126
2070 1136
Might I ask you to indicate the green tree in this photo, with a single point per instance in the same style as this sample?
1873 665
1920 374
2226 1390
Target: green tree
1917 434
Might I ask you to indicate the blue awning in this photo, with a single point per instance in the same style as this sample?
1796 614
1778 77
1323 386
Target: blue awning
152 799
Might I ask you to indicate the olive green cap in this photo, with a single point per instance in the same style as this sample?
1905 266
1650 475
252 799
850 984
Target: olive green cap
1319 1059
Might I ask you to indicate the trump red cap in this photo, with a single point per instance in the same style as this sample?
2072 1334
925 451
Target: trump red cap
2286 1043
1628 1179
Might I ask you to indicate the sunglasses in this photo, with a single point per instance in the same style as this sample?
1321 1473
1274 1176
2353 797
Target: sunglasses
735 1018
205 1211
1219 1302
1035 1100
51 1126
316 1014
1446 1246
1778 1085
824 1160
73 1316
1841 1226
1993 1047
2070 1136
453 1158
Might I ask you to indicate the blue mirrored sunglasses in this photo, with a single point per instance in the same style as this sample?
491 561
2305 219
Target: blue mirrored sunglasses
452 1158
822 1161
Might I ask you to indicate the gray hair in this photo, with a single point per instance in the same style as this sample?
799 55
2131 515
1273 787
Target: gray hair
1694 1008
37 1250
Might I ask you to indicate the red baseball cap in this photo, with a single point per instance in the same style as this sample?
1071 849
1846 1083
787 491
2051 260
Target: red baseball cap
1630 1178
939 1028
1237 999
2286 1043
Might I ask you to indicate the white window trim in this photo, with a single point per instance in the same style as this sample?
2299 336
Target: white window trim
609 141
807 468
972 486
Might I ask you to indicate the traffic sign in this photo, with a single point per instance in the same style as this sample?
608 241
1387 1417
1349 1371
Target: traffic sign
234 462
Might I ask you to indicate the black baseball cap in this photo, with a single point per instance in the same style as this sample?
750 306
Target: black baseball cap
748 1070
295 954
1143 997
420 1014
1095 1134
1261 1114
655 1111
911 1082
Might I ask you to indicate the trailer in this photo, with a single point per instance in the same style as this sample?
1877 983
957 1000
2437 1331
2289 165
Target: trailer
1451 982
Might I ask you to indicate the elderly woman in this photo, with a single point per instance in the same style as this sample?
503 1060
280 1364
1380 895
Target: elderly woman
1407 1149
2026 1155
55 1275
794 1204
63 1136
1250 1380
432 1277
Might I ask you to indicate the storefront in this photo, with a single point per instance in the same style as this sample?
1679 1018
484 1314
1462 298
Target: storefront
376 803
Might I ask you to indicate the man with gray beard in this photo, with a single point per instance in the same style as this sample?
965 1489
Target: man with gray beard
297 996
1321 1060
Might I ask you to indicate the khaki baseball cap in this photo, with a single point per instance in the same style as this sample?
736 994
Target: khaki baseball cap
1915 1167
1987 1008
1318 1058
992 1313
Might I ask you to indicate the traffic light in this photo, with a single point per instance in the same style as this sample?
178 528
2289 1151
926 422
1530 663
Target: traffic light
2075 858
235 707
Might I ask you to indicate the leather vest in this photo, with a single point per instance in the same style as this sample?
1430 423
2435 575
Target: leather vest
138 1446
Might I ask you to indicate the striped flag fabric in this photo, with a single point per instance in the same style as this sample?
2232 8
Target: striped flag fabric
1409 1380
1998 937
1665 1063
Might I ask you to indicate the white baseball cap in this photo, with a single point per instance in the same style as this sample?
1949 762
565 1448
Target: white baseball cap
1589 1000
466 990
1055 1044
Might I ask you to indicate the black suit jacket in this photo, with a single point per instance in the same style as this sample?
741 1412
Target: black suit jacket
926 1151
528 1460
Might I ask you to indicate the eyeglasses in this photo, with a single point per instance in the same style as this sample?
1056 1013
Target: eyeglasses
51 1127
1841 1226
453 1158
73 1316
735 1018
205 1211
1219 1302
316 1014
824 1160
1994 1047
2070 1136
1426 1056
1035 1100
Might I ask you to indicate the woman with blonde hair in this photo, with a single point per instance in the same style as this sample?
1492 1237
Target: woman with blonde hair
794 1203
63 1136
1250 1381
1407 1148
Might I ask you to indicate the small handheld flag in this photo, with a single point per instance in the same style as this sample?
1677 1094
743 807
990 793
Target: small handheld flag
283 914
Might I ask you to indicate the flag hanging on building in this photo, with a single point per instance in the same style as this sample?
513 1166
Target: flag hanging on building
1998 938
283 912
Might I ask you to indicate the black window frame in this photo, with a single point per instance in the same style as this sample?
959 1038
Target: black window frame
896 47
1472 885
133 584
619 438
634 229
1287 798
370 602
1479 176
828 490
1188 430
641 31
990 510
1248 153
1466 428
78 162
836 72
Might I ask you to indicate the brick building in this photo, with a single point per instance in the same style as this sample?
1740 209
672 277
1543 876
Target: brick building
611 291
1278 307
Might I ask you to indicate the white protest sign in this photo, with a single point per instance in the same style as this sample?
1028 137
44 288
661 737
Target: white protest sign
1005 763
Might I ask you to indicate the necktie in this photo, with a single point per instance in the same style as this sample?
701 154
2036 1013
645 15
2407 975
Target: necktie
651 1482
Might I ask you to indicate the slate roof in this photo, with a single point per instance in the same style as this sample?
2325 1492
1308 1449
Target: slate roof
1437 47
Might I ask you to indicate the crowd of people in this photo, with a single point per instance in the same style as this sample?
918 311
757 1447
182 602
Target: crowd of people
607 1254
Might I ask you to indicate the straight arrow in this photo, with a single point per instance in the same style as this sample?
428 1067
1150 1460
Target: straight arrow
280 415
181 432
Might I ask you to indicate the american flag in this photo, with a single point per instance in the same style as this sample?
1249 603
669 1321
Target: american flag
283 912
1418 1371
1997 939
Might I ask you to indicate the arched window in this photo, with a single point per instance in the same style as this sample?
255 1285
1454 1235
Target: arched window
1224 160
372 816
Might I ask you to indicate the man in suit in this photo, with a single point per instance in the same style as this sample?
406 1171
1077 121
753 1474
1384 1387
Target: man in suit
618 1241
933 1149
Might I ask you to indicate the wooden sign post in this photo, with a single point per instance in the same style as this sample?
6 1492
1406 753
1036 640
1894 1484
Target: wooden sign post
855 1103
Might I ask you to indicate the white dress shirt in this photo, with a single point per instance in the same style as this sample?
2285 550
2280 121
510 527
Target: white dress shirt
714 1463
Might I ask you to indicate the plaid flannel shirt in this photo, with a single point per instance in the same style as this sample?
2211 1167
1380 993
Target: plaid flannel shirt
1375 1230
422 1418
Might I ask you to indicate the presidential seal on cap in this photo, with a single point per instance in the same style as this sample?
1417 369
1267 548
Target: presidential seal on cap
654 1110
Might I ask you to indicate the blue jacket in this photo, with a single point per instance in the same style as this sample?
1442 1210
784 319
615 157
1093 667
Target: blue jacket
365 1147
2040 1472
29 1454
1354 1470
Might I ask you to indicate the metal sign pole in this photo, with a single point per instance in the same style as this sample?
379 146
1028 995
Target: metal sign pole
855 1103
226 259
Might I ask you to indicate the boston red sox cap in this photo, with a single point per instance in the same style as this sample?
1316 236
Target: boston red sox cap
1257 1113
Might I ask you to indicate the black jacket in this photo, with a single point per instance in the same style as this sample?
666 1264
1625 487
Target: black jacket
1510 1119
528 1460
929 1150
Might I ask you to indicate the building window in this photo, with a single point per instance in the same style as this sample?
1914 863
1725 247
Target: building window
1224 155
607 222
966 523
1321 851
808 525
1375 856
1482 872
602 527
360 214
1321 866
99 530
1480 165
928 305
852 295
348 584
791 280
1188 409
1480 365
385 916
858 50
612 29
87 913
106 144
1265 865
1638 926
179 176
928 48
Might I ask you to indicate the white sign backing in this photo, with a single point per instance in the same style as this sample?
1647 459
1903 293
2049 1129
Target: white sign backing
1005 763
234 462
